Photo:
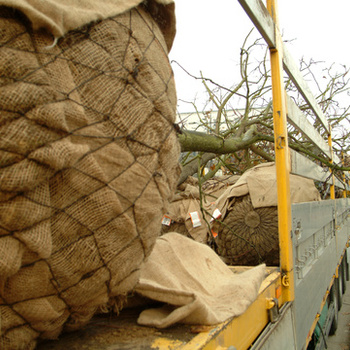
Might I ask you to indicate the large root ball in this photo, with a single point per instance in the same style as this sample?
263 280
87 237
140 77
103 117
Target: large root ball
248 235
89 161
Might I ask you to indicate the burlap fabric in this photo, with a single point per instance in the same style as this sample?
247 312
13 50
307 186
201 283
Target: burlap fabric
183 206
247 235
216 186
248 231
261 184
194 284
58 17
187 201
89 161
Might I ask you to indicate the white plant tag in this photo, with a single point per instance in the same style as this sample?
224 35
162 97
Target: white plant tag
196 221
216 214
166 220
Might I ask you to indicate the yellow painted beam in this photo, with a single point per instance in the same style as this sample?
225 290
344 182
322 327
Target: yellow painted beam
332 190
343 174
282 160
240 331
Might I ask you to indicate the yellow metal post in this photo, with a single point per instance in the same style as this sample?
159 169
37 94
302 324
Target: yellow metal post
343 174
282 160
332 190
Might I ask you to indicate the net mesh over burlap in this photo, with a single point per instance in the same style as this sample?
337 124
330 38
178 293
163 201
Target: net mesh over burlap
248 235
248 228
89 161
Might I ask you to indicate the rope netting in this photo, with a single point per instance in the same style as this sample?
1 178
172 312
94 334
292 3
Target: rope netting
89 160
248 235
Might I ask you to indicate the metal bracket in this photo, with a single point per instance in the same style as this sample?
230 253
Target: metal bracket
272 306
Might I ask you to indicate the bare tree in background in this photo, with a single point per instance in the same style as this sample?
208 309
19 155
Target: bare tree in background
240 135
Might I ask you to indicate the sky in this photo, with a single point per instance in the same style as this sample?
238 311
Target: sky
210 34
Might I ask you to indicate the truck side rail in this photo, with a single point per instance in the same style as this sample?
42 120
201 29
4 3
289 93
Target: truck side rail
320 236
313 236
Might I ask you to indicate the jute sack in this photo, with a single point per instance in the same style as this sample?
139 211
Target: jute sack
89 162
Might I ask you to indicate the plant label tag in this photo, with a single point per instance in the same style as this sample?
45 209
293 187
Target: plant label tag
166 220
216 215
196 221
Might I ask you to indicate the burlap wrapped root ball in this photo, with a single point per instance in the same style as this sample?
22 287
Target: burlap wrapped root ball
176 226
216 186
177 218
248 235
89 161
187 198
173 221
248 228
